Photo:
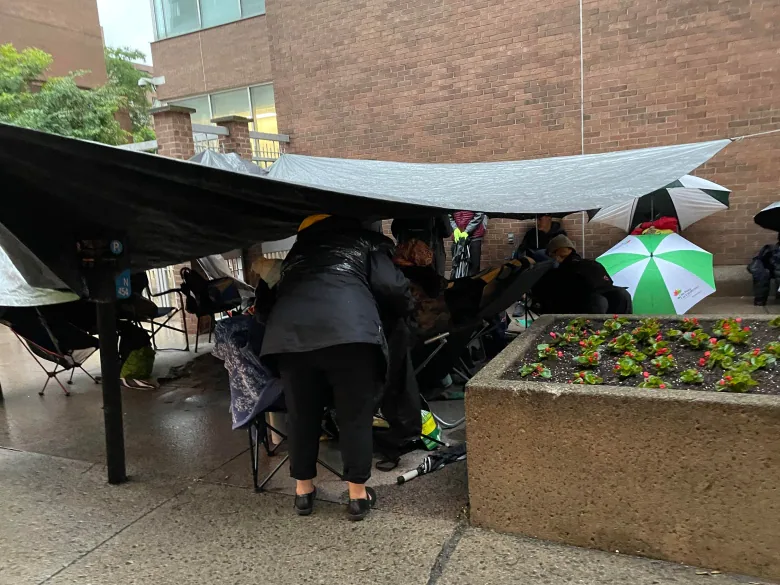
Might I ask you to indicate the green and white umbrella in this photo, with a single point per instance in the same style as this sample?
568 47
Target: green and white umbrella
665 273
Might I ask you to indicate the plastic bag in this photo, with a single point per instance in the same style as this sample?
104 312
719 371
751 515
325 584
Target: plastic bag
430 428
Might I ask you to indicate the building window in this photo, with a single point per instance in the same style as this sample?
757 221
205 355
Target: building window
178 17
202 113
255 103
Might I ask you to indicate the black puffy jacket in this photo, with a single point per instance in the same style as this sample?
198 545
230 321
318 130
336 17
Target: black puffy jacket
336 283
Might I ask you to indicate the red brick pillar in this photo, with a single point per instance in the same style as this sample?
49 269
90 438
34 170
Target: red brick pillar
237 140
174 131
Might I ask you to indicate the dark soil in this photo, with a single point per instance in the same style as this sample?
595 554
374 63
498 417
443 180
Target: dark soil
563 369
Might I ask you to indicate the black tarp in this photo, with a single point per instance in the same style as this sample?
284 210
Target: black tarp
56 191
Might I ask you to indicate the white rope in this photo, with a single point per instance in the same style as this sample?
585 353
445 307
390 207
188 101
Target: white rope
738 138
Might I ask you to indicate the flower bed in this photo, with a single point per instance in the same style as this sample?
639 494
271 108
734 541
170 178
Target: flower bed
731 355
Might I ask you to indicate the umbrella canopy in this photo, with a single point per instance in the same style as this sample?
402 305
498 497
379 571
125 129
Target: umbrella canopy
665 273
769 217
688 199
24 280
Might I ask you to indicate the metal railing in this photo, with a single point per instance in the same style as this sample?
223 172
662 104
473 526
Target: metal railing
266 148
206 137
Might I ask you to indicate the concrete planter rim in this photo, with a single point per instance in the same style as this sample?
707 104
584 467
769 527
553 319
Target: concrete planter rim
491 376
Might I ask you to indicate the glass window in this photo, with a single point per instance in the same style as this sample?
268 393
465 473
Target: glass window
230 103
264 109
201 105
159 19
179 16
214 12
252 7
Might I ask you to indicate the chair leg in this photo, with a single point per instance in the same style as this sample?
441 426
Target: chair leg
72 371
90 376
197 334
211 327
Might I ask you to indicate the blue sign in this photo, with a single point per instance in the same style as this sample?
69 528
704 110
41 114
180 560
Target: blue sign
123 285
116 247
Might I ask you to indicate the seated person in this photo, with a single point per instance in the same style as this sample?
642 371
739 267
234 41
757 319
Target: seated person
538 237
578 285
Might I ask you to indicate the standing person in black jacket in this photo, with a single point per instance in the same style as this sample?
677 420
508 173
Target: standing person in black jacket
325 334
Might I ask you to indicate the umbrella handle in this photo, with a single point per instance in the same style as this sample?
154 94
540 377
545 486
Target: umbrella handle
408 476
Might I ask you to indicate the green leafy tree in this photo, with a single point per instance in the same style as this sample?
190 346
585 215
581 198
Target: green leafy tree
59 105
125 77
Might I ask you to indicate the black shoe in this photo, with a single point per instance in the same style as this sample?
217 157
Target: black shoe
304 505
359 509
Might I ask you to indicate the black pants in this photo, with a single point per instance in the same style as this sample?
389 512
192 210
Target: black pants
616 300
352 375
475 255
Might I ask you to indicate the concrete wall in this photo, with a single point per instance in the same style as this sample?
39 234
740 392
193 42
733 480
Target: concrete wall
223 57
67 29
686 476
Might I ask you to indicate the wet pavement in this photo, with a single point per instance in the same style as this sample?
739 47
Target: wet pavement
189 515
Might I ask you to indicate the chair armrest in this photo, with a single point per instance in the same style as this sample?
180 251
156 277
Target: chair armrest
165 292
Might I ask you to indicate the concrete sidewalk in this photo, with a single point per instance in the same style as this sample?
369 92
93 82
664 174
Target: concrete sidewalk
189 515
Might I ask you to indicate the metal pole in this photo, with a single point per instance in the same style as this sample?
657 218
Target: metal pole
112 396
584 218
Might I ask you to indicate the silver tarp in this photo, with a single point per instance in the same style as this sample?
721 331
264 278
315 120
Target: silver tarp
546 185
227 162
24 280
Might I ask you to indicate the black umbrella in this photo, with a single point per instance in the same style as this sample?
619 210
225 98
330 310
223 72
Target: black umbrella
435 461
769 217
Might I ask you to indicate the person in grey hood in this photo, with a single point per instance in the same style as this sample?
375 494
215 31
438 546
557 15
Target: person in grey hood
324 333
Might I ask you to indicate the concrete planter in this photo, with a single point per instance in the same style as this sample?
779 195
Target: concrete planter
682 475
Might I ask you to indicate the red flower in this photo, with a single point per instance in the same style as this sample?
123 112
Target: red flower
729 378
553 335
738 319
662 386
726 326
756 351
713 341
722 382
568 381
646 374
707 354
582 344
658 337
746 329
614 316
560 354
702 361
695 320
685 320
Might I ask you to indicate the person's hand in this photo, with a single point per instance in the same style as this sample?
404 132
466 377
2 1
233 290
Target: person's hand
459 235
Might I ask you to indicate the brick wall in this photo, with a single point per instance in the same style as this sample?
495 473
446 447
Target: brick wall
67 29
222 57
174 131
445 81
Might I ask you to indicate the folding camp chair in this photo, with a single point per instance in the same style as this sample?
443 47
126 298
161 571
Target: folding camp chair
161 318
62 360
208 298
259 435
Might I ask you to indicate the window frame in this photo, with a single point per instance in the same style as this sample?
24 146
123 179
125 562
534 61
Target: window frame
157 27
208 97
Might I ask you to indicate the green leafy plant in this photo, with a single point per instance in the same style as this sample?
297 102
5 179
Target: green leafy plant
732 330
755 360
647 329
689 324
735 381
536 370
659 348
653 382
696 339
663 363
592 342
587 378
588 359
622 343
627 367
673 334
612 325
577 325
773 347
692 376
722 354
775 322
546 352
636 355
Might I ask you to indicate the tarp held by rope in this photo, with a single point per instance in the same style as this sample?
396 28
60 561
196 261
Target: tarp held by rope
58 190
